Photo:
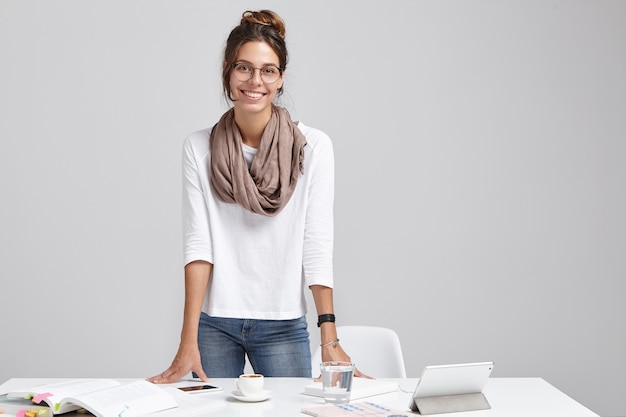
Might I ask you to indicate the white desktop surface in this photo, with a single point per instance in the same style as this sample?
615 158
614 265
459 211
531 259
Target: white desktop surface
508 397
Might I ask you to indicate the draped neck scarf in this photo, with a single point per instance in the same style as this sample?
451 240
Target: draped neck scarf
268 185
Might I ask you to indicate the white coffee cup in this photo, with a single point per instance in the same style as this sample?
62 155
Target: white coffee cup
250 384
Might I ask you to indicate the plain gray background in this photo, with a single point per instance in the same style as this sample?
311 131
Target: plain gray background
481 194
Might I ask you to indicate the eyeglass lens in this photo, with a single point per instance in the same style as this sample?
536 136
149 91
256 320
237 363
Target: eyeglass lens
269 73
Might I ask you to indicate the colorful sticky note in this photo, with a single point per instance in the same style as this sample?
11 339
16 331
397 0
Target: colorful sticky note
40 397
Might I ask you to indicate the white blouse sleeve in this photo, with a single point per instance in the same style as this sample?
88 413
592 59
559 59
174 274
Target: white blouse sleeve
317 261
197 243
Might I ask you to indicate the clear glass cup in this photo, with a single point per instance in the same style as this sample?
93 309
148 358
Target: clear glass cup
337 381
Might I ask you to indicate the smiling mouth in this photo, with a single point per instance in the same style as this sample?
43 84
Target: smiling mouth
252 94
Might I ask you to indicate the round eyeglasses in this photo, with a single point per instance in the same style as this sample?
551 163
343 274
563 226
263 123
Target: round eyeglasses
269 73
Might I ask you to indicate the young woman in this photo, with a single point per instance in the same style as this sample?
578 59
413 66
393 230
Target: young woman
258 224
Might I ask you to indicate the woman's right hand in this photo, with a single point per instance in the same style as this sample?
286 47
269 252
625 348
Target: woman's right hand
187 360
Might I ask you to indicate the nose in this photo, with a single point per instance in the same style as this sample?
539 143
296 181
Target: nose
256 76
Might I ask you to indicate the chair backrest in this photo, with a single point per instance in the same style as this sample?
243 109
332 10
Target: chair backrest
376 351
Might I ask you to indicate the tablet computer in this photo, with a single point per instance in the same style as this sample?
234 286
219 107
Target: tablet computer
457 379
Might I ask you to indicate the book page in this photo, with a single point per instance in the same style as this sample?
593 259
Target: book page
190 405
53 394
128 400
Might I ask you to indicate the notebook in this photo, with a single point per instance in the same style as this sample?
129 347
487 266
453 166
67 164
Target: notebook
355 410
361 388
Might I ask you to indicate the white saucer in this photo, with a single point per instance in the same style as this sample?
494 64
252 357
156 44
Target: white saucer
261 396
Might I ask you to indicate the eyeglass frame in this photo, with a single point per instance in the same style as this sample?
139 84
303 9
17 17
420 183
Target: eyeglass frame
280 70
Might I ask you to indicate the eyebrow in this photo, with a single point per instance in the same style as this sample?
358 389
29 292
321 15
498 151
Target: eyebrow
243 61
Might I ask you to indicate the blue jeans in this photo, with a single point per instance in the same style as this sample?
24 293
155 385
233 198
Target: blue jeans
274 347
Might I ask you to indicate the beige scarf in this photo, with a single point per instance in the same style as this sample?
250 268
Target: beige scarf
268 185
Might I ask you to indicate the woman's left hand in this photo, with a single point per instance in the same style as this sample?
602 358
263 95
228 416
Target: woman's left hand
336 353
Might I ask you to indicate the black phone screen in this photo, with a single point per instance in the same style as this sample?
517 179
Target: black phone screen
197 388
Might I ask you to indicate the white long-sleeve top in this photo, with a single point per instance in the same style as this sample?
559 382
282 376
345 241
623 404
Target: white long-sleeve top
261 264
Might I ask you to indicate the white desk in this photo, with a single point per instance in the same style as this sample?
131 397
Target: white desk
509 397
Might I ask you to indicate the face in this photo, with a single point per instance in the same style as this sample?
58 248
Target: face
255 95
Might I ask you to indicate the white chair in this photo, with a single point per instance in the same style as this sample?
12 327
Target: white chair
376 351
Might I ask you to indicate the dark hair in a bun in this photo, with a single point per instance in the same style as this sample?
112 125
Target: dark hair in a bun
265 17
261 26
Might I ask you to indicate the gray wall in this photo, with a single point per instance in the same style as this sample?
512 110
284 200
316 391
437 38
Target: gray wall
480 149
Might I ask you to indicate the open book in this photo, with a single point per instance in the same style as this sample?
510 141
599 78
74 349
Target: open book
101 397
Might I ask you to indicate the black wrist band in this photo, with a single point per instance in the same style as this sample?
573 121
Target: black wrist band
323 318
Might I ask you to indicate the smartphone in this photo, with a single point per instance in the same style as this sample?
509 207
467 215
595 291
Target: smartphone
198 389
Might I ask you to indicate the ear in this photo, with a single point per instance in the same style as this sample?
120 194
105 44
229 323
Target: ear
282 80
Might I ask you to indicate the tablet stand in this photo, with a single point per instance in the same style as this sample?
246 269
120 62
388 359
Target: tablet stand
450 403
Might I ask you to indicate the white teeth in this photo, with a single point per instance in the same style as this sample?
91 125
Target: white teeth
253 94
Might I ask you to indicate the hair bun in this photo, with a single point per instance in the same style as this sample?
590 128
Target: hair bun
266 18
